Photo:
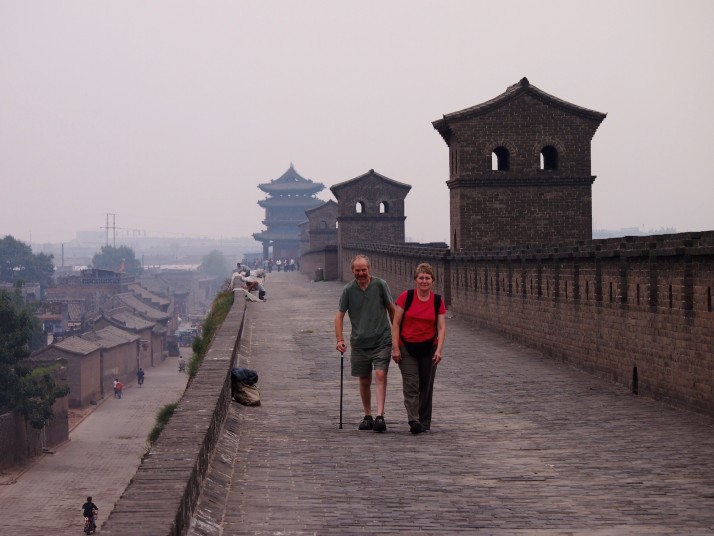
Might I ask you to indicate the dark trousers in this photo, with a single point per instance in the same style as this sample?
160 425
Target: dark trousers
418 375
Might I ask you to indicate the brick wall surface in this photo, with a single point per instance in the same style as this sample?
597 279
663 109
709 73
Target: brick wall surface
20 442
324 259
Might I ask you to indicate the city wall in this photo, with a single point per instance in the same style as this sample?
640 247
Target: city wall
161 497
636 311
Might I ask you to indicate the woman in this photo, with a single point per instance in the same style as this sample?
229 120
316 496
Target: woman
418 334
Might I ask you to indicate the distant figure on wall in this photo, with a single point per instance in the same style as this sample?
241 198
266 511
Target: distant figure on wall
140 376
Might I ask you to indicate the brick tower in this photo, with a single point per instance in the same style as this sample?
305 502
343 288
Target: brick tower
370 209
519 170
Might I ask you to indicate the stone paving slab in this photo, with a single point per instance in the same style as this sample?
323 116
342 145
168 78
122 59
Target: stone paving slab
99 459
520 443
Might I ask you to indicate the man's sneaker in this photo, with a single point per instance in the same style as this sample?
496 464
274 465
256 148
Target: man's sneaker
367 423
415 427
379 424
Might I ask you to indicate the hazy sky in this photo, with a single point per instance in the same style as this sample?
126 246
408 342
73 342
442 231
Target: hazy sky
169 113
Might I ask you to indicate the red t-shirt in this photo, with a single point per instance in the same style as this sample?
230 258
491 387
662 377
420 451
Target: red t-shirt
419 323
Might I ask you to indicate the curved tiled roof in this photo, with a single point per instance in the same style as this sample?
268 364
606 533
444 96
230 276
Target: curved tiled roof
125 318
109 337
77 345
141 308
297 201
373 173
291 182
147 295
522 87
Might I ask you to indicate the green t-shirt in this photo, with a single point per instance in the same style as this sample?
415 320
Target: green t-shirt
367 310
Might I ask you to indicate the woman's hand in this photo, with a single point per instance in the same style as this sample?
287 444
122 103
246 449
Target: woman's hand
396 354
437 357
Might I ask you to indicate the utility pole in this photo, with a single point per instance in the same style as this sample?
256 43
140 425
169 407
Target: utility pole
113 228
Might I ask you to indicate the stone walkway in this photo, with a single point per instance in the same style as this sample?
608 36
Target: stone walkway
520 444
99 459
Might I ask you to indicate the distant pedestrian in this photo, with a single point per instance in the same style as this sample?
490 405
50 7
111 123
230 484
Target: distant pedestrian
116 393
119 388
140 376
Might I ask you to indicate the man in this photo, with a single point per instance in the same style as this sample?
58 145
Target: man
140 376
250 284
371 309
89 510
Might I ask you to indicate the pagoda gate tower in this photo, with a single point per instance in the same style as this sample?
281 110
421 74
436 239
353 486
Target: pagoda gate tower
289 196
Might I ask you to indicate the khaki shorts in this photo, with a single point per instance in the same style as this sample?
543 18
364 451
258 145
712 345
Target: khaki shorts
363 360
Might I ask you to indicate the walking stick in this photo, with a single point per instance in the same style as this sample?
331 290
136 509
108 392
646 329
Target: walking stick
342 368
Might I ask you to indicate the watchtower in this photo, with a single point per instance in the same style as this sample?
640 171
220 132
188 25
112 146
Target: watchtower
519 170
370 209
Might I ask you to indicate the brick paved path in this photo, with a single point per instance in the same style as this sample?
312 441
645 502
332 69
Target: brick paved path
100 459
520 444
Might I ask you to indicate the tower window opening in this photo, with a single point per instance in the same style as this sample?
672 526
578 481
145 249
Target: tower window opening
359 207
671 297
500 159
323 224
548 158
383 207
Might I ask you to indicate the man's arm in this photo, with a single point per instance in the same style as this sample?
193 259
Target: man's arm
391 311
396 328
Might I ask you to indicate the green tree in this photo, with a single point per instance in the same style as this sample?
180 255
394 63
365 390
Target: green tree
215 264
121 259
18 263
31 391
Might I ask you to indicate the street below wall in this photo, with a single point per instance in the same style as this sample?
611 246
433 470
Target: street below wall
103 453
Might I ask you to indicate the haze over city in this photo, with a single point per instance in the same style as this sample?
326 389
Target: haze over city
169 114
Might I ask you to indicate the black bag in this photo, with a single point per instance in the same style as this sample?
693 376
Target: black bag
244 375
420 349
243 388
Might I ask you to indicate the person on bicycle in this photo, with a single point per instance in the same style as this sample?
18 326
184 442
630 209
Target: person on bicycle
89 509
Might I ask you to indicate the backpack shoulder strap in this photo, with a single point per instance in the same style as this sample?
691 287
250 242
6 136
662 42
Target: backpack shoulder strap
410 299
407 304
437 306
